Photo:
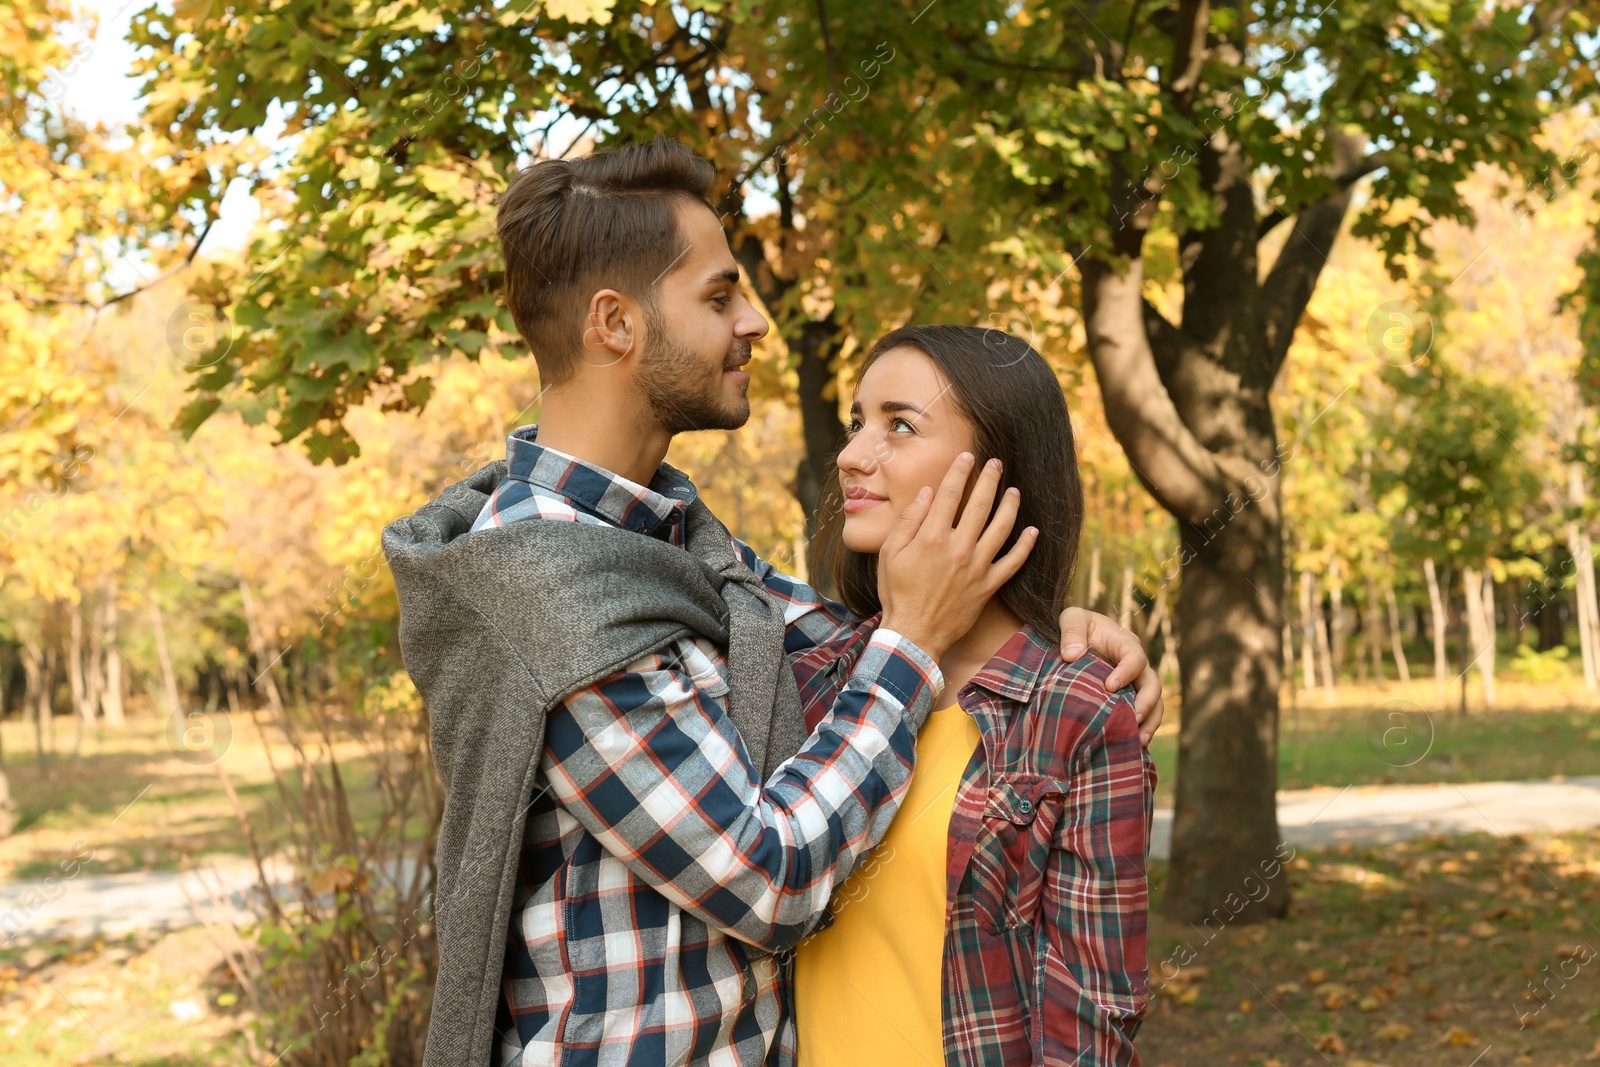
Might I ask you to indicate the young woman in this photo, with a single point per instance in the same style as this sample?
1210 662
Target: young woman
1002 918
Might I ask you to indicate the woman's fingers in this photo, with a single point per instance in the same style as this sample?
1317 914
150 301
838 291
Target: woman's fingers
907 525
980 502
1006 567
999 528
948 498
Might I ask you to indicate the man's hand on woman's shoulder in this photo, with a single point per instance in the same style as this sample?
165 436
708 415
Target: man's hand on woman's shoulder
1084 629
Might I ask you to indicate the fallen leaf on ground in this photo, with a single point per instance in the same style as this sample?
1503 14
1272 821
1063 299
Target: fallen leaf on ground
1458 1036
1369 1003
1394 1032
1330 1043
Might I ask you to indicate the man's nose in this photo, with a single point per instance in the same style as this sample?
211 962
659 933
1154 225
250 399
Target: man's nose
751 325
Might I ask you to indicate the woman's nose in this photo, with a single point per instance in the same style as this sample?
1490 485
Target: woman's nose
858 454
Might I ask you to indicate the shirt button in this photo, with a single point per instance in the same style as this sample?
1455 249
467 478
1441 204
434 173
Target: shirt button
1026 807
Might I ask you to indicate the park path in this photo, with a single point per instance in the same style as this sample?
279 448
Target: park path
1380 814
224 890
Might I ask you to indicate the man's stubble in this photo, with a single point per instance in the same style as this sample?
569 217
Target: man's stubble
676 387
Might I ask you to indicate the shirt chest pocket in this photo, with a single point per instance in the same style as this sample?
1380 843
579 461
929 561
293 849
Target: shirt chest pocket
1010 855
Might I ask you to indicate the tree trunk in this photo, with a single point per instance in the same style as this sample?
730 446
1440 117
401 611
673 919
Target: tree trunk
1095 586
1374 627
1441 619
1481 650
1395 637
1338 625
814 345
1208 452
1583 559
1125 612
111 696
1491 634
93 677
80 693
1168 667
35 667
1308 661
7 808
1320 622
169 680
1190 404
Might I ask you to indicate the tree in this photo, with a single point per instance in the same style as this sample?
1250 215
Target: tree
1239 133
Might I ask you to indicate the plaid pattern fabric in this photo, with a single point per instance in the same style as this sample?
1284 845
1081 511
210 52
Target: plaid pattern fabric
657 872
1044 955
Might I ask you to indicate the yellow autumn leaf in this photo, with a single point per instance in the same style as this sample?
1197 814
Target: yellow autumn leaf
580 10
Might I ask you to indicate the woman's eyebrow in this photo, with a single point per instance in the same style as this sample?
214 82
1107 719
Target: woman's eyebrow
889 407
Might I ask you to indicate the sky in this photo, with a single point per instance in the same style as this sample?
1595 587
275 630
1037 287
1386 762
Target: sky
100 89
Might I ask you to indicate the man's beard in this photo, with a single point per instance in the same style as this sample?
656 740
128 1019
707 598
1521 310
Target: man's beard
675 384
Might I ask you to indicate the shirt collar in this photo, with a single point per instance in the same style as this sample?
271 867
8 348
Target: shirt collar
1013 671
656 510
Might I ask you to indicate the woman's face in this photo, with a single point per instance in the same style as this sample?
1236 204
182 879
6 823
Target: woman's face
905 431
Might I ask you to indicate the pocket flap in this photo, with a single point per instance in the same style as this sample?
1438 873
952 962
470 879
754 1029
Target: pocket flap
1016 798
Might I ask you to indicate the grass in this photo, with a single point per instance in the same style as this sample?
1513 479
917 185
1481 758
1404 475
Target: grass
1422 953
1396 742
139 806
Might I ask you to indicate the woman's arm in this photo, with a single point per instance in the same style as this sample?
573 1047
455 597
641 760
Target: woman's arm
1096 902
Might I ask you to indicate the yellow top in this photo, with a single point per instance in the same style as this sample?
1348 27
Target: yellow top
867 989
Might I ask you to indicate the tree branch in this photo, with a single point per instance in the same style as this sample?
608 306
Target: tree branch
1539 22
1169 460
1293 277
1189 52
1166 343
1347 178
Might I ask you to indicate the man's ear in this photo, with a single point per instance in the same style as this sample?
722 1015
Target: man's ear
610 332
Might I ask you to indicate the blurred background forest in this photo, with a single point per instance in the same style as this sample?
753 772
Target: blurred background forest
257 317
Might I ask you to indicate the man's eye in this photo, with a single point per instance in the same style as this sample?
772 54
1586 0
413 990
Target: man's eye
722 301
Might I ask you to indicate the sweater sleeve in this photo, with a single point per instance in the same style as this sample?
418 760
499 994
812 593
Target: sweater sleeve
650 764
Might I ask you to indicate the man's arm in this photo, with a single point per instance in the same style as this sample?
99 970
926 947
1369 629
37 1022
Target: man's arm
649 762
1118 646
1095 907
809 618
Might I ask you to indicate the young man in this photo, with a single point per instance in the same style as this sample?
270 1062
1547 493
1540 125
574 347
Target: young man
635 819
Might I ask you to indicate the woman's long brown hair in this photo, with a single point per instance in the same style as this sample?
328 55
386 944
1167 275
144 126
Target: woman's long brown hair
1007 392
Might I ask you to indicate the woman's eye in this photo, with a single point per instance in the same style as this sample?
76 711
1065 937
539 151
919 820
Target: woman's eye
855 425
901 424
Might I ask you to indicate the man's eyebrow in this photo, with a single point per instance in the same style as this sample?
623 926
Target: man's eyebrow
727 276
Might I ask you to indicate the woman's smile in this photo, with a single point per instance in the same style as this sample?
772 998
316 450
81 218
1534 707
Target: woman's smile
859 499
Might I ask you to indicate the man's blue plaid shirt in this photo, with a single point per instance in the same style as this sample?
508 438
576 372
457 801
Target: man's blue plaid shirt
657 871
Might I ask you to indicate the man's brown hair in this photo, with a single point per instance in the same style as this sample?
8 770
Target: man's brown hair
570 227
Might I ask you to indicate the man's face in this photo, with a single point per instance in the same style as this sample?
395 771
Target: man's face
698 334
